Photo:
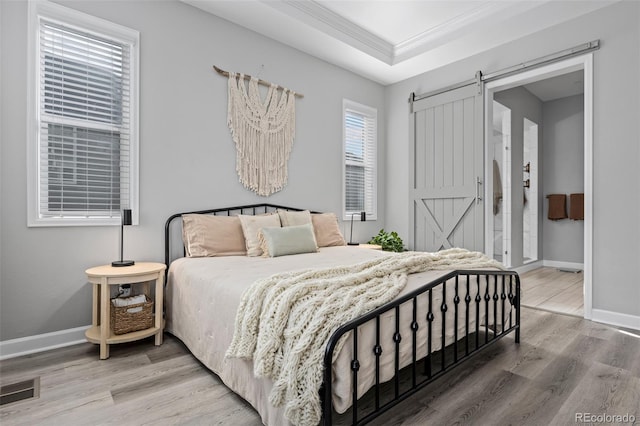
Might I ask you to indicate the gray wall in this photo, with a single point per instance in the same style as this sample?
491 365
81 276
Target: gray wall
523 105
616 151
187 158
563 163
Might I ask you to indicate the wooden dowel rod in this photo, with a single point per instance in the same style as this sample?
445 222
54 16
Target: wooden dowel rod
248 77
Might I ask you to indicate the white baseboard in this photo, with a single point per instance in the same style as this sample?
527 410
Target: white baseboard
566 265
528 267
58 339
42 342
548 263
615 318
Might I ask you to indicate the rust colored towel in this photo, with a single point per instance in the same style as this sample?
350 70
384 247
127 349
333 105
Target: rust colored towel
557 206
576 206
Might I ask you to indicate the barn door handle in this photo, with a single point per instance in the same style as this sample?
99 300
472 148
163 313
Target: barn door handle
478 183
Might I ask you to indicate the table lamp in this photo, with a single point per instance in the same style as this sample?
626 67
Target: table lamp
126 220
363 217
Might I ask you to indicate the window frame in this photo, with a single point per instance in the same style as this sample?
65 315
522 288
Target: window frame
348 105
51 12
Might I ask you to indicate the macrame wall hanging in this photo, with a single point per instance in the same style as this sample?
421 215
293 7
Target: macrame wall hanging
262 130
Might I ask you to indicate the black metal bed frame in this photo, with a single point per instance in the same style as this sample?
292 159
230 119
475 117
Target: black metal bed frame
505 300
506 286
252 209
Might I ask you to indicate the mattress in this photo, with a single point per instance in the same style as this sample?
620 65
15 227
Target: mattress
203 294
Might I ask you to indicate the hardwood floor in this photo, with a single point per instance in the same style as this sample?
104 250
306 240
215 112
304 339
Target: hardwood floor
553 290
564 365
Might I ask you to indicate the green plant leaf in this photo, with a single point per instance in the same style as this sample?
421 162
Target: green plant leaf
388 241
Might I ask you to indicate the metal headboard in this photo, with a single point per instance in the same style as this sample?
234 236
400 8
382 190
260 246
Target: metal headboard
251 209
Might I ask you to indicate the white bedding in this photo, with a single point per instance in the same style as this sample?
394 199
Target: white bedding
203 295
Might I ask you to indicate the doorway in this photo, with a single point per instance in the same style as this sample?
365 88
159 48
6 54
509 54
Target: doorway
501 197
530 185
527 203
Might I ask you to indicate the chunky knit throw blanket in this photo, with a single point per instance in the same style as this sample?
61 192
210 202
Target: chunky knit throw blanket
284 322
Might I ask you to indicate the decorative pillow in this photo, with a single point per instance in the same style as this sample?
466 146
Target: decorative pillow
293 218
288 240
207 235
251 226
327 230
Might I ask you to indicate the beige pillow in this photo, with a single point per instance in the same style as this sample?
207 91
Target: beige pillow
207 235
294 218
251 226
327 230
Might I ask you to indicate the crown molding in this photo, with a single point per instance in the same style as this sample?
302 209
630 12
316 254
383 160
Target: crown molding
314 14
486 14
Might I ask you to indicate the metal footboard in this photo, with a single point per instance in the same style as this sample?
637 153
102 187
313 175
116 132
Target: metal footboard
492 298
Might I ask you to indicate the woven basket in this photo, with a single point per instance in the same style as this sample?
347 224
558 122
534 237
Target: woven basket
126 319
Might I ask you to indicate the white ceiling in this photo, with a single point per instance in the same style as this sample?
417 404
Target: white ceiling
561 86
392 40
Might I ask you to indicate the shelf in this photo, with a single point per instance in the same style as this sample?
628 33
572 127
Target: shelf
93 335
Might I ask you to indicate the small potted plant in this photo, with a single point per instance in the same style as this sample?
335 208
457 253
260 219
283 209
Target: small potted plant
389 241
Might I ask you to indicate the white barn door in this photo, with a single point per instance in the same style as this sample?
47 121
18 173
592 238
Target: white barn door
447 170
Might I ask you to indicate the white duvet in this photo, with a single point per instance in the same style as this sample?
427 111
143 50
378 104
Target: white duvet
203 295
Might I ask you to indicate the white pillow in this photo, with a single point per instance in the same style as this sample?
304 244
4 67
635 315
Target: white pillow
294 218
251 226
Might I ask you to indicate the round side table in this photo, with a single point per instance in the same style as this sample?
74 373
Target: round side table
102 277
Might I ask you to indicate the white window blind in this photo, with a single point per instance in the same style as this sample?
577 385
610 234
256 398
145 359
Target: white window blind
360 144
85 130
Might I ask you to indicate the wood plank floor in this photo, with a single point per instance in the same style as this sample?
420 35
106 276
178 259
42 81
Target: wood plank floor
563 366
553 290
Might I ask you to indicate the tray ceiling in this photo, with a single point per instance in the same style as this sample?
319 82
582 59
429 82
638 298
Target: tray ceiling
391 40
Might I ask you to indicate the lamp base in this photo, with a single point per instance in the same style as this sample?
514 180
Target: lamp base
353 244
119 263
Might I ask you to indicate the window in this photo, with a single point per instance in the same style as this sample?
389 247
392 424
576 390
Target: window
83 109
360 144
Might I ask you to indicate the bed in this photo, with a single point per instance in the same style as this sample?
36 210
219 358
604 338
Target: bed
439 319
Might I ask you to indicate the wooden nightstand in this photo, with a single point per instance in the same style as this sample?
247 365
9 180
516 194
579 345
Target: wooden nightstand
102 277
